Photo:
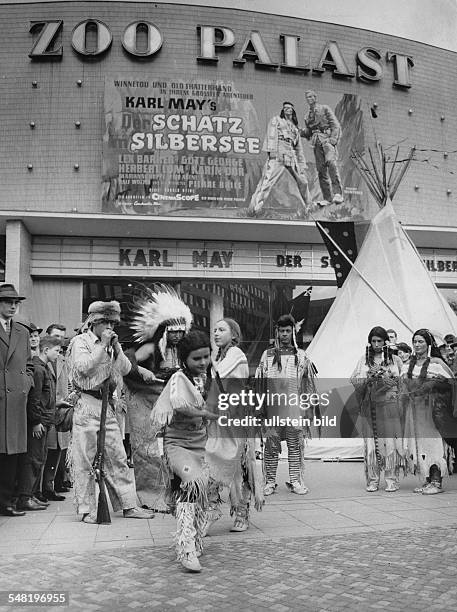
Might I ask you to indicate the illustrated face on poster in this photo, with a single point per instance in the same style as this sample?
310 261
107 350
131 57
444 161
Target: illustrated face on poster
211 149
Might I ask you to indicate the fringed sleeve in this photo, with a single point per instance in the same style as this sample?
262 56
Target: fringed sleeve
178 397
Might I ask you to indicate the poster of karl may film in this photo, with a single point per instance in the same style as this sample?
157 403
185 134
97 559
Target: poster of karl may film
218 149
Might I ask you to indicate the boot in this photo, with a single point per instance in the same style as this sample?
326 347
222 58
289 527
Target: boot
421 488
433 488
392 483
297 487
269 488
372 475
241 518
185 537
435 482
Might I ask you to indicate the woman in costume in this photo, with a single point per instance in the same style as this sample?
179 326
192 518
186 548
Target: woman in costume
181 410
160 322
427 396
376 380
230 451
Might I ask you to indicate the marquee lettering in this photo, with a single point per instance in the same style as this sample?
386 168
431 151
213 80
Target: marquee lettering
155 258
219 259
440 265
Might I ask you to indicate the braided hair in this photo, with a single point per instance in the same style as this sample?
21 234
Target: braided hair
387 354
433 351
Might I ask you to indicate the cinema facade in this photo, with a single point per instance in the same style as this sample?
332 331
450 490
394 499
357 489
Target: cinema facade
132 144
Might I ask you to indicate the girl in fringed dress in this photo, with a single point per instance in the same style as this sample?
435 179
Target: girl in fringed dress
181 410
376 380
230 451
428 398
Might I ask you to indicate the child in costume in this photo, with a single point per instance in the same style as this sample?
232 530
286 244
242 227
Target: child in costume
181 410
230 451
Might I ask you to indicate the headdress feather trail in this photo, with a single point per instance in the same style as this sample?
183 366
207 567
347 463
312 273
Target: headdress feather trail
160 306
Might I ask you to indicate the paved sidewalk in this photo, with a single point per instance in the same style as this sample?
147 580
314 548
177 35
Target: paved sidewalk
337 504
337 548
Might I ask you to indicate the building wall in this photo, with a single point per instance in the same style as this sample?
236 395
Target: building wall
55 145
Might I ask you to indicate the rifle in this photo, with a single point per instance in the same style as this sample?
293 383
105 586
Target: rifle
103 516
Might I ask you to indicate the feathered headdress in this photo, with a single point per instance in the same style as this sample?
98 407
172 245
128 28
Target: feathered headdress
161 306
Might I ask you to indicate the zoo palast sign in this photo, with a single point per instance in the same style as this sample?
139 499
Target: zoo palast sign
144 40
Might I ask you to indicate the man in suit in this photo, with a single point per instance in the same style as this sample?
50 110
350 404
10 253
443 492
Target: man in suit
16 379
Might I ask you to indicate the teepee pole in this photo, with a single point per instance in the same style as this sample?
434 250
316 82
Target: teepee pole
389 182
365 173
403 170
378 178
367 282
384 174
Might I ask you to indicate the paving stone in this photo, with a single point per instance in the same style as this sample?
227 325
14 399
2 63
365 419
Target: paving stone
366 571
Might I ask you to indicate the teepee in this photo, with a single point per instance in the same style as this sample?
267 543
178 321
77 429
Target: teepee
388 285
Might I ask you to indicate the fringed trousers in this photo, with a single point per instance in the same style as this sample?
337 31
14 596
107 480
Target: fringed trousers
119 477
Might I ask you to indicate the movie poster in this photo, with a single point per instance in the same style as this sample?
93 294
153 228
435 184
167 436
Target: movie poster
216 149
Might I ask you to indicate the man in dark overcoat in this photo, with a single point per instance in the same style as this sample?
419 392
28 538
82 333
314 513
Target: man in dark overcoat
16 379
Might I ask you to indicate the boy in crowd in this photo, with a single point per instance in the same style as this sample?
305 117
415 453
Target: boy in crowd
54 474
41 407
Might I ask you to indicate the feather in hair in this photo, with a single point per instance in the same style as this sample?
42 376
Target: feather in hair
159 307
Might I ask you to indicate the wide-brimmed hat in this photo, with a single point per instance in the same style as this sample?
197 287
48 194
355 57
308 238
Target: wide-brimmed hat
8 292
31 327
